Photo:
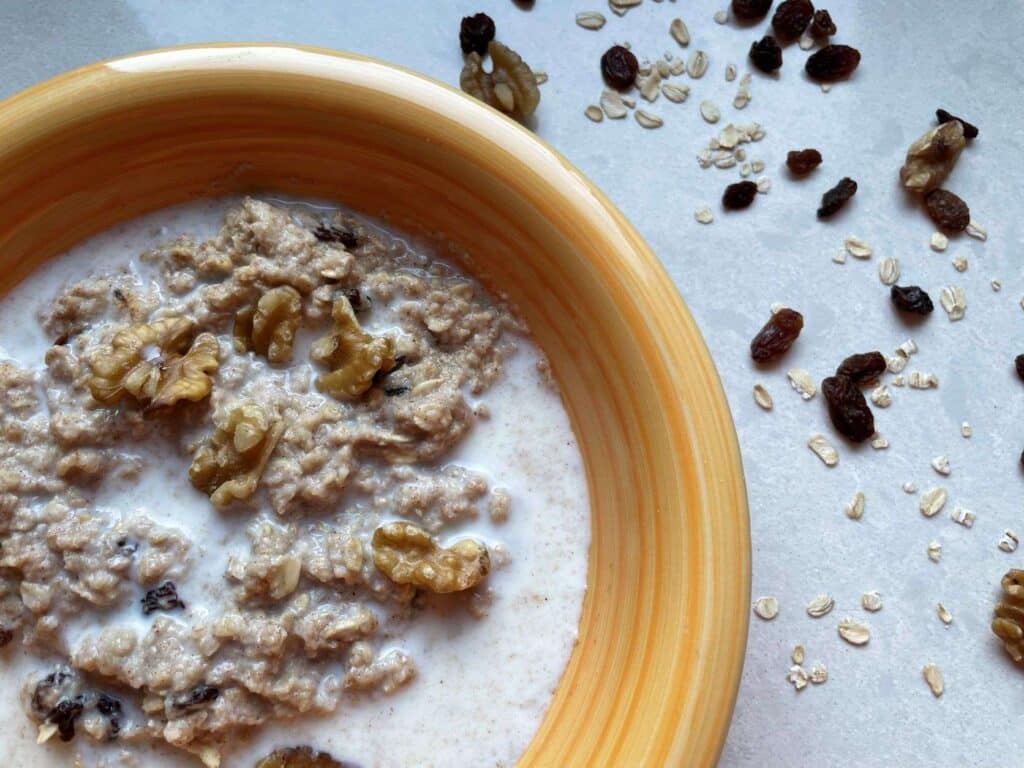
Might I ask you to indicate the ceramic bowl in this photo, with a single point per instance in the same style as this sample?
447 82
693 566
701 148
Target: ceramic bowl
654 676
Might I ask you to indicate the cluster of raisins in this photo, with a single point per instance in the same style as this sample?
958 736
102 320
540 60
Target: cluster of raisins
847 407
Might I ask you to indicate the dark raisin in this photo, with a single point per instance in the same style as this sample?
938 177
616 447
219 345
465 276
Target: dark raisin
831 63
739 195
198 697
51 689
1018 363
328 233
475 32
791 18
911 299
766 55
822 25
836 197
862 368
356 299
750 10
395 391
380 376
619 67
119 296
64 715
803 161
970 131
127 546
162 598
108 705
61 340
777 335
5 636
948 211
848 409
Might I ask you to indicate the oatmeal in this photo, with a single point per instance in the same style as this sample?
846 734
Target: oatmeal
281 481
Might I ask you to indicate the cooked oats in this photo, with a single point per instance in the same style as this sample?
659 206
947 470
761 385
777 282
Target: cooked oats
854 508
590 19
933 676
762 397
820 606
854 632
766 608
679 32
932 501
823 450
889 271
871 601
802 382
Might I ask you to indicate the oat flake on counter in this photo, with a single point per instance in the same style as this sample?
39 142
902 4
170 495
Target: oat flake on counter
710 112
941 465
975 230
797 655
704 215
963 516
966 430
648 120
938 242
954 302
934 551
1008 542
762 397
879 443
889 271
933 676
932 501
857 247
594 113
854 632
721 17
697 64
944 615
798 677
590 19
823 449
766 607
910 487
871 601
801 381
819 673
679 32
881 396
960 263
674 92
820 606
854 508
922 380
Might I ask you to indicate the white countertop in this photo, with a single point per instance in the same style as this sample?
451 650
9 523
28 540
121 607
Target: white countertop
875 709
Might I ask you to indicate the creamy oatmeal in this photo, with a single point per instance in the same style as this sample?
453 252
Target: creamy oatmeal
285 480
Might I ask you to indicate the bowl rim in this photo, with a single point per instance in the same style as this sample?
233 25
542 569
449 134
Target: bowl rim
30 108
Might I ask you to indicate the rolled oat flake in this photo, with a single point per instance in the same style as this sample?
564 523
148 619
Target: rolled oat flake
819 673
590 19
594 113
710 112
871 601
762 397
647 119
1009 541
933 676
854 632
766 607
820 606
679 32
802 382
697 64
932 501
823 450
854 508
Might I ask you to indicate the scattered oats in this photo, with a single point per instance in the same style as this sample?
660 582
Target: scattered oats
974 229
941 465
629 101
857 247
709 111
742 97
764 185
820 606
996 285
933 676
932 501
725 162
704 215
854 510
798 654
590 19
889 271
898 381
910 487
649 86
934 551
962 516
647 120
679 32
823 450
819 673
879 443
960 263
762 397
923 380
594 113
766 607
907 348
798 677
677 67
661 67
944 615
745 170
540 77
741 153
728 137
721 17
954 301
839 257
881 396
613 106
854 632
1009 541
675 93
806 41
939 241
730 72
966 430
802 382
697 64
871 601
757 166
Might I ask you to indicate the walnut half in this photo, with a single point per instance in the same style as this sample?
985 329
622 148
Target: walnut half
407 554
268 328
510 86
931 158
353 355
228 466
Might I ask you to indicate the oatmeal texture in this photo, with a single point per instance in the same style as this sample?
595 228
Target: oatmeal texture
312 373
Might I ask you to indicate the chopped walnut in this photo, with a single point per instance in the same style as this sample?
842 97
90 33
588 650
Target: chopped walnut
407 554
229 465
931 158
268 328
511 85
353 355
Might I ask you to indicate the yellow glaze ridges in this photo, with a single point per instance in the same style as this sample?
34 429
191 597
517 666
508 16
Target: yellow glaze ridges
654 676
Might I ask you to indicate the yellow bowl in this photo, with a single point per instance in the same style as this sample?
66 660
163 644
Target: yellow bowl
654 676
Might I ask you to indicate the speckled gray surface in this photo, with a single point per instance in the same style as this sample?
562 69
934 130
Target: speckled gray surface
875 710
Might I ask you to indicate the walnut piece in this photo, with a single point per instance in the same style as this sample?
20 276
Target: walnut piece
155 364
931 158
299 757
268 328
407 554
510 86
228 466
353 355
1008 623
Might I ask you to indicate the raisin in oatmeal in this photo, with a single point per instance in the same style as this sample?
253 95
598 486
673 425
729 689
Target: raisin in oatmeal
290 481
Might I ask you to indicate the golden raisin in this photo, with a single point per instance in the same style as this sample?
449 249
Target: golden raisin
353 356
269 327
407 554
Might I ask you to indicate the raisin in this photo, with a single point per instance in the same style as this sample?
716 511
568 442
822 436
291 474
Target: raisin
766 55
108 705
327 233
970 131
836 197
163 598
803 161
739 195
127 547
356 299
396 391
619 67
189 701
475 32
831 63
777 335
911 299
1018 363
863 367
848 409
50 690
64 715
750 10
948 211
822 25
791 18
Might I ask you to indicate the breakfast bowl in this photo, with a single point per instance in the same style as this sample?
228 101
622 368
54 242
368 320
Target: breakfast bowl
653 676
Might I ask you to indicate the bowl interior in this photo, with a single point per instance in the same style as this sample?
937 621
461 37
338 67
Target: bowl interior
653 678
